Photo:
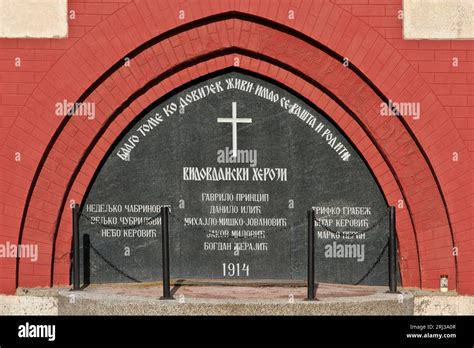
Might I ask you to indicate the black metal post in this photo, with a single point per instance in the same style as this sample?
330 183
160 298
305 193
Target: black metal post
392 254
311 292
166 256
76 267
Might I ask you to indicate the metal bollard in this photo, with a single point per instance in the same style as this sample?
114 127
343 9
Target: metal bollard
392 254
76 267
165 253
311 292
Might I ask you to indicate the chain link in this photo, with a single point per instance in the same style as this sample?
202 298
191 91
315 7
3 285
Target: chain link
111 264
377 261
302 222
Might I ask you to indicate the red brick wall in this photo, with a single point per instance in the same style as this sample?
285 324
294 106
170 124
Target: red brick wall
413 163
454 86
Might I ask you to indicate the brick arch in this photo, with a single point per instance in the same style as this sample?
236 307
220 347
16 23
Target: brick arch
62 205
338 85
344 121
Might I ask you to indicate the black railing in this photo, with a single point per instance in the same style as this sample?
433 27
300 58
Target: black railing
76 261
311 220
311 294
392 253
165 211
391 244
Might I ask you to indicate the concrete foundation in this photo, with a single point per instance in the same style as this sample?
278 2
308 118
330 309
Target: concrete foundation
443 305
243 299
28 305
205 299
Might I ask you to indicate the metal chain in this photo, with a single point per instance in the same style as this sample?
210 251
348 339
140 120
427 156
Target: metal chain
377 261
143 223
111 264
379 258
176 218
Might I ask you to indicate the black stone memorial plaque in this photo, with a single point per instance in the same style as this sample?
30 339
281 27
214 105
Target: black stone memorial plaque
239 160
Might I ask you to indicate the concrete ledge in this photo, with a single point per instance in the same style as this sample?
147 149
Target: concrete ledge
89 303
444 305
143 299
28 305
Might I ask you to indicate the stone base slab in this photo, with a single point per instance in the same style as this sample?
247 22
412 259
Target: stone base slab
92 303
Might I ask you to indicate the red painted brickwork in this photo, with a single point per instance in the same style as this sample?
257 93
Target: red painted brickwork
433 219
